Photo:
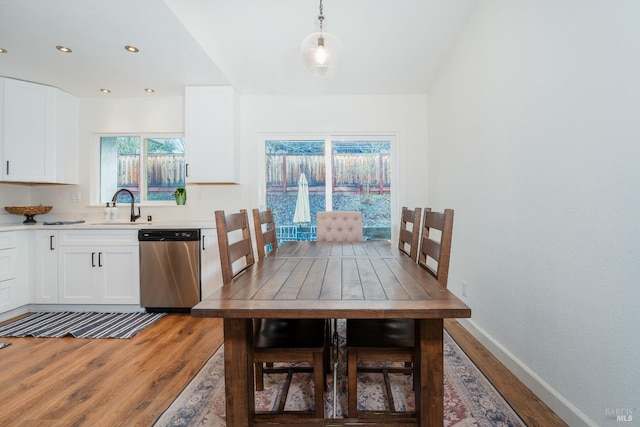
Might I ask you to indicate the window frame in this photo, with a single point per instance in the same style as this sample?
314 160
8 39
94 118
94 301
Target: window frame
328 138
96 192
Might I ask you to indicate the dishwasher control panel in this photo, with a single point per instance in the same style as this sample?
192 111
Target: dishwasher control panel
179 235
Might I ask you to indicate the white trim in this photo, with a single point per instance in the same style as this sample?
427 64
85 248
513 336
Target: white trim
103 308
33 308
549 395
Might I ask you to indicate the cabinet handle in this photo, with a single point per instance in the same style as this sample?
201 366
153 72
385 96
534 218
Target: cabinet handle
186 169
51 248
99 259
93 259
203 237
7 167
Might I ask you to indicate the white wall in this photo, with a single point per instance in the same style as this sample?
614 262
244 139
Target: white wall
534 140
13 195
400 115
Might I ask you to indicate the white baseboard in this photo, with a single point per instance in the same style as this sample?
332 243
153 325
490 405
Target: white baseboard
96 307
14 313
559 404
31 308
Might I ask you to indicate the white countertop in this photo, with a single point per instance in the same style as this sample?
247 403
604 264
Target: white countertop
105 225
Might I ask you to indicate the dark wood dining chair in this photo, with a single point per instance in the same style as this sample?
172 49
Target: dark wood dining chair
264 227
409 231
393 340
234 242
274 340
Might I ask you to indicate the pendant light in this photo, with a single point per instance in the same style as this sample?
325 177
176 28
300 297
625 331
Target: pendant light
321 51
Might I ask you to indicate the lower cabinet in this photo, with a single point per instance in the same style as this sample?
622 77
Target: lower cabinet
44 284
98 275
86 267
13 268
210 270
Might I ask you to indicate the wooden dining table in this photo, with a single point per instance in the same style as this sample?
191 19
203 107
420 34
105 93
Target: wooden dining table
368 280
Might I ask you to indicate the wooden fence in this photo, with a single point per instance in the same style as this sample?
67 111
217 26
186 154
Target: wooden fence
351 172
164 170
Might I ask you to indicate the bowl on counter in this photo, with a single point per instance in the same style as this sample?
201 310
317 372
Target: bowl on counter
28 211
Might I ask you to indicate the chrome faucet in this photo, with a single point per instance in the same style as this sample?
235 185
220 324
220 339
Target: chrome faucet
133 199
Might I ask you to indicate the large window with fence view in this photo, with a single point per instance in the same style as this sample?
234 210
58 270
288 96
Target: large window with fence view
339 174
150 167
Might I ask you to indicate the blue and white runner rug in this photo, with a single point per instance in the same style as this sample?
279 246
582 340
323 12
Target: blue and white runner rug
80 325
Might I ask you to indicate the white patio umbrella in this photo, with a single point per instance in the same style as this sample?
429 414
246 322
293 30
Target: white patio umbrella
302 213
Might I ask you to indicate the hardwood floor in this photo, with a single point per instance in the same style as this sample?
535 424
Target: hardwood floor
103 382
130 382
531 409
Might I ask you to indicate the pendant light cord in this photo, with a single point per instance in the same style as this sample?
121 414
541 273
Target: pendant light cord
321 16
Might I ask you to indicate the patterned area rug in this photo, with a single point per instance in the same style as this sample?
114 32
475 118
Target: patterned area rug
80 325
469 398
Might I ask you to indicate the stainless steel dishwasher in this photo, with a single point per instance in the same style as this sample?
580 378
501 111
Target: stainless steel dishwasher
169 269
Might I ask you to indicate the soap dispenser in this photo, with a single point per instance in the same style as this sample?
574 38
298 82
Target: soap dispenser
115 215
107 212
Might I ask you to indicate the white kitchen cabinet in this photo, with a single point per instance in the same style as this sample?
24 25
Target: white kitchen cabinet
44 280
39 133
210 134
98 267
14 291
210 270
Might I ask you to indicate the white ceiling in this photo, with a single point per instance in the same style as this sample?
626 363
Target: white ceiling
389 46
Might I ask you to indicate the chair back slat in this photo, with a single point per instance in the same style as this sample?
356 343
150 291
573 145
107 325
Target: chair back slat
265 231
410 232
434 255
236 252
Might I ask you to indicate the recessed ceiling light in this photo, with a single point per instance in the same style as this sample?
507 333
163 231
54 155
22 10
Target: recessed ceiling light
64 49
131 49
105 91
149 90
3 50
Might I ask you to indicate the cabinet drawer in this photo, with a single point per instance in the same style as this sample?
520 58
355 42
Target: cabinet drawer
7 239
98 237
7 264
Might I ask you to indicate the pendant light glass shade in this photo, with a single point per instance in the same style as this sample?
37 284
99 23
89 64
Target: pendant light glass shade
321 52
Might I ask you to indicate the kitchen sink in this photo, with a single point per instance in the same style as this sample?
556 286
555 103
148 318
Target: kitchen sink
118 223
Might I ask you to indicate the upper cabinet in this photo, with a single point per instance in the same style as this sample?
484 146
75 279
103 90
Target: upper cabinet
38 133
210 120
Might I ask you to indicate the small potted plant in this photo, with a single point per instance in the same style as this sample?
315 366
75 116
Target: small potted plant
181 195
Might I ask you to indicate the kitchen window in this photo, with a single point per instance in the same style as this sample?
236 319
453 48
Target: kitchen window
150 167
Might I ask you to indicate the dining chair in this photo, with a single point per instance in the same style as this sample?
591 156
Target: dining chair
274 340
339 226
234 242
409 232
393 340
264 227
344 227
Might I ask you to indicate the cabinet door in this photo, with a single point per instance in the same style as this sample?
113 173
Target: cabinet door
44 284
14 289
28 134
210 270
21 289
209 134
7 279
120 275
67 119
77 279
